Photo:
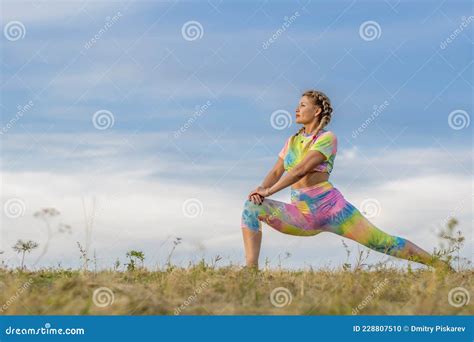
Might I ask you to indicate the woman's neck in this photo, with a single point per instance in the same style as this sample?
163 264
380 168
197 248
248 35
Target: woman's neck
310 128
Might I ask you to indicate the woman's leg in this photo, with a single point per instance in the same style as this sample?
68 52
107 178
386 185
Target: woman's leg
293 219
350 223
252 243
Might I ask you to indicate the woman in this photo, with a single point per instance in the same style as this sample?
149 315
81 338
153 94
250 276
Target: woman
316 205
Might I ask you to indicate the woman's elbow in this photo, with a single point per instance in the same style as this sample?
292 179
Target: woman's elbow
278 171
299 172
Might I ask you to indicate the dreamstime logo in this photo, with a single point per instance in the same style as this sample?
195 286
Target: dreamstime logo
192 30
14 30
103 296
14 208
16 295
280 119
379 287
197 113
192 208
465 22
377 110
458 297
370 30
103 119
281 297
21 111
458 119
274 214
192 297
370 207
109 22
286 24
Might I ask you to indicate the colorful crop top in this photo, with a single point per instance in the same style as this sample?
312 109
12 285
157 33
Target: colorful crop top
298 145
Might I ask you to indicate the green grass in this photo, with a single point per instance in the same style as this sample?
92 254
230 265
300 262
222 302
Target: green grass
204 290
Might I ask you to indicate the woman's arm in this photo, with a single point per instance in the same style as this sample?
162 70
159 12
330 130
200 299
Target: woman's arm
274 175
310 161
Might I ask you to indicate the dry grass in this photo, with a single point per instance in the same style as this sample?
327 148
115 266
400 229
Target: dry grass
205 290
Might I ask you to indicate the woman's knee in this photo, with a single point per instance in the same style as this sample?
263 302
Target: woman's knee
250 217
249 205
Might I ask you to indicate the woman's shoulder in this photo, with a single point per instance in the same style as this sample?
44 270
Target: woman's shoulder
327 138
327 134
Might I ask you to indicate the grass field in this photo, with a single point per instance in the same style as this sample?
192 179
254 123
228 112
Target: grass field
204 290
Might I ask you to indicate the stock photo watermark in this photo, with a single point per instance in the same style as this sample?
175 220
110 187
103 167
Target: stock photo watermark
200 110
377 110
280 119
464 24
458 297
109 22
103 296
17 294
370 207
46 330
21 110
458 119
192 208
370 30
103 119
14 208
14 30
375 291
192 298
286 24
192 30
281 297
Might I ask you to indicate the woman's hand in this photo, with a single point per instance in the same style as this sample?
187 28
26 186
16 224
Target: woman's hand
255 190
257 196
257 199
254 197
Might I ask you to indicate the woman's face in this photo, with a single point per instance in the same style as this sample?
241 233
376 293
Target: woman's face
306 111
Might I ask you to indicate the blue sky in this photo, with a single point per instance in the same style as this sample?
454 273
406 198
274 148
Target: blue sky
151 80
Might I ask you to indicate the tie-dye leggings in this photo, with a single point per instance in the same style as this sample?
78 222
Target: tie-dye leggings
322 208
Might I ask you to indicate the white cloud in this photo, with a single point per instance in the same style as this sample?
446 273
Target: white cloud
49 12
142 187
134 211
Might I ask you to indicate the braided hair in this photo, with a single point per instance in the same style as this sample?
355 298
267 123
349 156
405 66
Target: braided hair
321 100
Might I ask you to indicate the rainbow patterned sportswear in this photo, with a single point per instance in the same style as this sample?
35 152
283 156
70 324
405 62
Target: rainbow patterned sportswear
298 145
322 208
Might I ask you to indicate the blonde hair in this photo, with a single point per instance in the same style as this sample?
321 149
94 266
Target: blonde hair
321 100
